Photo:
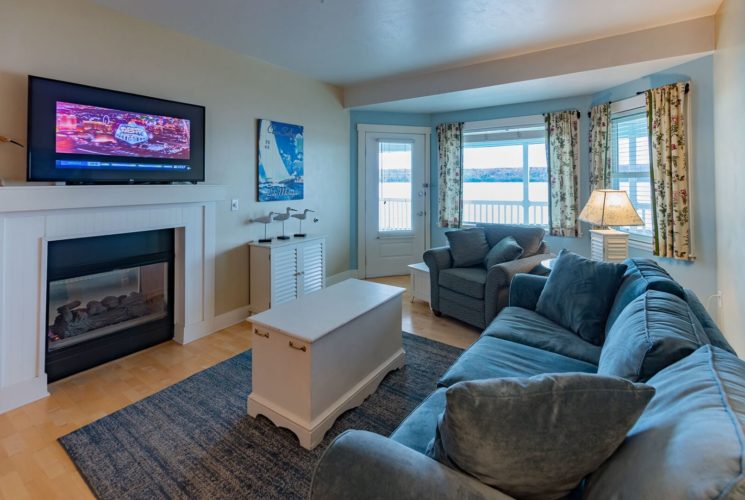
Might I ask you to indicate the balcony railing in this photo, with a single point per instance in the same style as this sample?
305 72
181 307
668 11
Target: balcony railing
394 214
505 212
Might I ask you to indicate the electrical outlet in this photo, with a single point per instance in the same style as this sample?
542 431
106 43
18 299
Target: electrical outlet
234 205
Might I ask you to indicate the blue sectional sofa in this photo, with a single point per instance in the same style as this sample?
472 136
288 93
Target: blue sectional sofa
688 443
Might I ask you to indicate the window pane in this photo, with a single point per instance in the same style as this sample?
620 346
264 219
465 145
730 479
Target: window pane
630 165
537 155
505 177
394 186
538 181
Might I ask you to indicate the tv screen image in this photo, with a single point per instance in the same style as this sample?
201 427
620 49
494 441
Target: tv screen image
84 129
84 134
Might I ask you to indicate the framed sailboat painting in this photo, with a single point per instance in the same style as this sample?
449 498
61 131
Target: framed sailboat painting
280 161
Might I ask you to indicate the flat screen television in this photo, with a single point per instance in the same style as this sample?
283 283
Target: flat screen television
86 135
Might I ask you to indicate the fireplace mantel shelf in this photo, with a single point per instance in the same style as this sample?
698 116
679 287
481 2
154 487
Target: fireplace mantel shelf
34 198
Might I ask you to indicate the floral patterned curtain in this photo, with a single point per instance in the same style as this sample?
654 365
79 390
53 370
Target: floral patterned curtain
563 172
667 110
600 158
450 162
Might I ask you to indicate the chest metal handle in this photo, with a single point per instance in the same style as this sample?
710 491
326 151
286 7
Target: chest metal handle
298 347
261 334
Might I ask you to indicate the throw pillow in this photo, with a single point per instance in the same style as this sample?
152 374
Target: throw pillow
536 437
579 293
508 249
467 246
654 331
688 442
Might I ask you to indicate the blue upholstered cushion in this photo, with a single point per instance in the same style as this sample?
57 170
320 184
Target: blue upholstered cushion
530 328
641 275
654 331
468 247
466 280
579 293
536 437
491 357
417 429
688 443
505 251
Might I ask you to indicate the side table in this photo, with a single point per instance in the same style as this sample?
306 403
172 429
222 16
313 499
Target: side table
419 281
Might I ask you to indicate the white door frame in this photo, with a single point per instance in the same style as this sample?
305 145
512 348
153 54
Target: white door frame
363 129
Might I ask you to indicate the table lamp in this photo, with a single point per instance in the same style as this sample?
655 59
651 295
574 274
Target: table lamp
609 207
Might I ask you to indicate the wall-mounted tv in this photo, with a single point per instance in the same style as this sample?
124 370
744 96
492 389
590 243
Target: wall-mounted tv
80 134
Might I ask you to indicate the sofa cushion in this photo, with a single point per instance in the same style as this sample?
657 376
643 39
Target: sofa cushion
530 238
466 280
688 443
467 246
417 429
641 275
491 357
579 293
505 251
530 328
654 331
536 437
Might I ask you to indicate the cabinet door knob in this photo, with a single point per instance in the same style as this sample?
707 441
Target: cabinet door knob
298 347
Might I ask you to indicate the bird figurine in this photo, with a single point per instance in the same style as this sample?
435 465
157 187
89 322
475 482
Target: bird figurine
301 217
266 220
283 217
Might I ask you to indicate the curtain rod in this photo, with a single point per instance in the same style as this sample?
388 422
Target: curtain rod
688 88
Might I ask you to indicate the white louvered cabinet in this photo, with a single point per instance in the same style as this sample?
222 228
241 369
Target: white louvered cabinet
282 271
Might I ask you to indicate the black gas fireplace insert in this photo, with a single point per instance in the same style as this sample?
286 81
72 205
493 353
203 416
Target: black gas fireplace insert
107 296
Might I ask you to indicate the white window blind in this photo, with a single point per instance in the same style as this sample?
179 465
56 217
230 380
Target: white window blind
505 175
630 165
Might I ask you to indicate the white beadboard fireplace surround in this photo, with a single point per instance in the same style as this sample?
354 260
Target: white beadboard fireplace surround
32 216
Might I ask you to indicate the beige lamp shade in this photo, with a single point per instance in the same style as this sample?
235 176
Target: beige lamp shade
610 207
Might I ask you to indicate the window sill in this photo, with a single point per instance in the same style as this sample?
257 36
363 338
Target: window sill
639 242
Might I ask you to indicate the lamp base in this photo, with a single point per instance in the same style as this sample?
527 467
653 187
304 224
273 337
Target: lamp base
609 244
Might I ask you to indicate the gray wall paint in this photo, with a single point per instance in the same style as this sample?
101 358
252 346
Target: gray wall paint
729 143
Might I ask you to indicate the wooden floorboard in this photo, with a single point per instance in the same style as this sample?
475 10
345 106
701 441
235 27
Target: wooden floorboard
34 465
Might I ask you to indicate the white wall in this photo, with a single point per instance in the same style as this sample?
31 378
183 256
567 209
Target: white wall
83 42
729 141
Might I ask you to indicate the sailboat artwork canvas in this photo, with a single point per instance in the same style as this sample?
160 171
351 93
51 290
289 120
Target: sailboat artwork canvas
280 161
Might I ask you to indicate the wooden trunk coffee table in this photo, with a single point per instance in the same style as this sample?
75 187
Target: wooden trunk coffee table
323 354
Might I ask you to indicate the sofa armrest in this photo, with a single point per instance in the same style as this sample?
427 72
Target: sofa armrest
437 259
498 280
363 465
525 290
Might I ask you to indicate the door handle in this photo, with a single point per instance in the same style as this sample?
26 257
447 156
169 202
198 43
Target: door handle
420 213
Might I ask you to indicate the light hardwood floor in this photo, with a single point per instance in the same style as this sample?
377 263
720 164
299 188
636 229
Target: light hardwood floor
34 465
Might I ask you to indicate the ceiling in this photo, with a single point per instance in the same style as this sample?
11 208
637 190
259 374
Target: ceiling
557 87
347 42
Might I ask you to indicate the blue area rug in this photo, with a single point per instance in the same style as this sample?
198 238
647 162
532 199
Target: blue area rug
194 439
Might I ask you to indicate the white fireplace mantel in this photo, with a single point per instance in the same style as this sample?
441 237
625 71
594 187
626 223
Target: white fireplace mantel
30 198
31 216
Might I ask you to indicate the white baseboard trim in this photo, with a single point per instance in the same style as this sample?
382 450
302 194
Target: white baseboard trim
338 278
23 393
230 318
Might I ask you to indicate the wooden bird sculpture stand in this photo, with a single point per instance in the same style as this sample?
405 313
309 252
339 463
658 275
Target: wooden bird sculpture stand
301 217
